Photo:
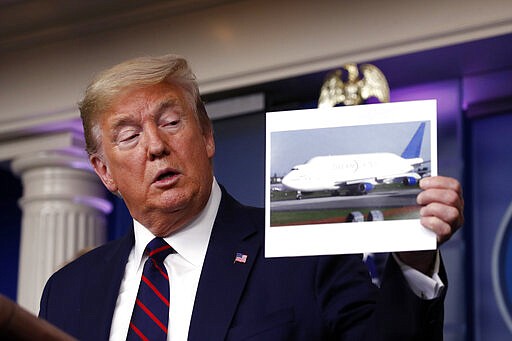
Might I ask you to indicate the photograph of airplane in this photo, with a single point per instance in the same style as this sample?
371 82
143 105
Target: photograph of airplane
357 174
376 179
346 179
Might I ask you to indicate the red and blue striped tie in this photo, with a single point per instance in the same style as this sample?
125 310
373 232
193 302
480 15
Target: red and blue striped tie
150 315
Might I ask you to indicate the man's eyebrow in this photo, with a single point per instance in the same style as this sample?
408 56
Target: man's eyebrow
168 103
121 121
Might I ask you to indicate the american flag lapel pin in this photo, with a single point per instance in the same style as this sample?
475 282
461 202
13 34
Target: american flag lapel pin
240 258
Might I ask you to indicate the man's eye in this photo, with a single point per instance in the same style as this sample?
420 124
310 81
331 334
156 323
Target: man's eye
127 137
171 123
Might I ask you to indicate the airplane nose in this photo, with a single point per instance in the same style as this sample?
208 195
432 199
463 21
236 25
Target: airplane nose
288 179
284 180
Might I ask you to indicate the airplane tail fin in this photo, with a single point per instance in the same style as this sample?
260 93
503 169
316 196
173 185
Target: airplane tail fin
413 149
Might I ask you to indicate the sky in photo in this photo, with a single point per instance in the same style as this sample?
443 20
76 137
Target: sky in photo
291 148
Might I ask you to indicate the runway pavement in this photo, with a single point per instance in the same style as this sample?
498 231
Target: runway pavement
400 198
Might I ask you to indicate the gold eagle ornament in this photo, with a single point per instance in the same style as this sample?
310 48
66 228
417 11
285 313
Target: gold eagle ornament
355 89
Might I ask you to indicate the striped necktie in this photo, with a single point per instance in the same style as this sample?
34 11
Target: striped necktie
151 311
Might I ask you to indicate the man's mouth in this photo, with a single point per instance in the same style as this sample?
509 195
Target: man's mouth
165 175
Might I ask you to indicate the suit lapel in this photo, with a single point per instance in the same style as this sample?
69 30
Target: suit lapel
99 300
222 279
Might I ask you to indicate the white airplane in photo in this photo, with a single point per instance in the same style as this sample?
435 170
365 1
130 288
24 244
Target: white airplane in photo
357 173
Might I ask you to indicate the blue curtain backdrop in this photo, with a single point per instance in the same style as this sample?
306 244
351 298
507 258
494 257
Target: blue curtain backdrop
491 167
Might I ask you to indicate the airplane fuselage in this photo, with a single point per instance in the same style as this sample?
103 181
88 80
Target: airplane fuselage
335 171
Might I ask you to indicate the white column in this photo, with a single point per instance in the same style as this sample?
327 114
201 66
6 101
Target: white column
64 214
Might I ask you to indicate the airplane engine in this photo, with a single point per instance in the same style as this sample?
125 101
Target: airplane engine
409 181
365 187
360 189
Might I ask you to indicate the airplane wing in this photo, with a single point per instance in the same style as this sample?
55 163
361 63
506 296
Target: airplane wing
409 178
358 181
358 187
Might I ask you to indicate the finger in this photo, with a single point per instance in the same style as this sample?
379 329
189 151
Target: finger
444 196
442 229
443 220
448 214
441 182
445 204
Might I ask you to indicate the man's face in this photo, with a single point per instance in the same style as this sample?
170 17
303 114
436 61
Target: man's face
156 156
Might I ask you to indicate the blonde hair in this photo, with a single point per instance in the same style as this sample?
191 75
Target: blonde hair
138 72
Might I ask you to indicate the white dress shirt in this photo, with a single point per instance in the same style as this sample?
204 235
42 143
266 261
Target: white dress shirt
184 269
422 285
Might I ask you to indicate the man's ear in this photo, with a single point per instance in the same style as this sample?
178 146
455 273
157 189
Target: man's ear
210 143
101 168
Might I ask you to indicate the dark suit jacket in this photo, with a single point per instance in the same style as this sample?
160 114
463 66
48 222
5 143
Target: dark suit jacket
301 298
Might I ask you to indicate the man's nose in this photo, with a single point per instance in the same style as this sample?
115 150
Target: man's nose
156 143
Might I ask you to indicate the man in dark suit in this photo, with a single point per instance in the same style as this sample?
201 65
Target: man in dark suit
150 141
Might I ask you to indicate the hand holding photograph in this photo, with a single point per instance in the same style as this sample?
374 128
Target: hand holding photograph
345 179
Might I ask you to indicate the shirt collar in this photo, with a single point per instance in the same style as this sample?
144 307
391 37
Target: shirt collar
191 241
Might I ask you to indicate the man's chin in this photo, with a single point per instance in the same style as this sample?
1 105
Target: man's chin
177 203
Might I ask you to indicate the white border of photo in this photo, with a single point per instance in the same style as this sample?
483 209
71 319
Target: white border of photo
344 238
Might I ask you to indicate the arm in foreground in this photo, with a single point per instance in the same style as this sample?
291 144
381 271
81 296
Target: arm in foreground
16 323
